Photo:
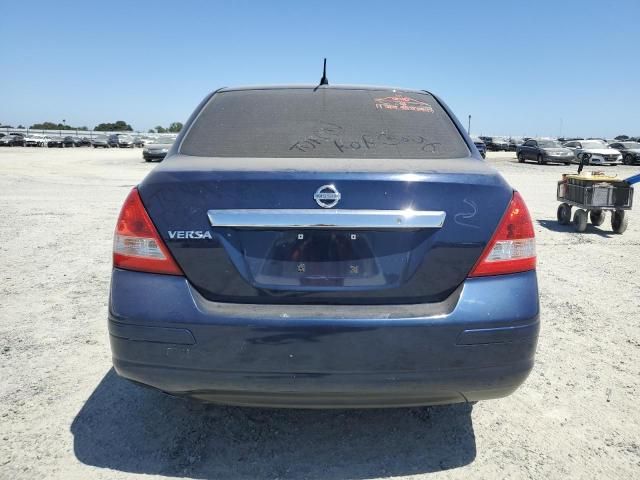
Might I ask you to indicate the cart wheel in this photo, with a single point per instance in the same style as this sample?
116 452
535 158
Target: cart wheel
564 214
597 217
580 220
619 221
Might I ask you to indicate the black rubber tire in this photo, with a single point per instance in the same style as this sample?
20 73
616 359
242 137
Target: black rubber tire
597 217
541 160
619 221
628 159
520 157
564 214
567 163
580 220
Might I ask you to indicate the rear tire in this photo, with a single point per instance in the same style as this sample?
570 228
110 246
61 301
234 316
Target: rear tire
597 217
619 221
520 157
564 214
628 159
580 220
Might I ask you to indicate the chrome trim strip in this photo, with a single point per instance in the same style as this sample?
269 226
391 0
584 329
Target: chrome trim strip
310 218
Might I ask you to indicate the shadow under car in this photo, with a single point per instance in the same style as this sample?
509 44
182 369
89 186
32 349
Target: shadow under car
128 428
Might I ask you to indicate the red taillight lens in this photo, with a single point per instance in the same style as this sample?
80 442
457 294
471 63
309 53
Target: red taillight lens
136 244
512 248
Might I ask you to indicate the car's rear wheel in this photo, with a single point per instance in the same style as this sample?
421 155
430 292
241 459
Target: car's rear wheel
628 159
597 217
580 220
521 157
564 214
619 221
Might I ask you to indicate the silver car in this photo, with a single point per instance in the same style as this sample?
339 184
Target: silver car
594 152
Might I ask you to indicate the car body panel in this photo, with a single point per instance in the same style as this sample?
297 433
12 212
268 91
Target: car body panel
478 343
230 265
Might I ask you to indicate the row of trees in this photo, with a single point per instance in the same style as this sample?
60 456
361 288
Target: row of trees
119 126
175 127
54 126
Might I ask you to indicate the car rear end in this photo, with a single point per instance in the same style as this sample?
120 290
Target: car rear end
125 141
482 148
155 152
329 247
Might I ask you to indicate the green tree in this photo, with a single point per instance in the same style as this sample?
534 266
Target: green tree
119 126
51 126
151 130
160 129
175 127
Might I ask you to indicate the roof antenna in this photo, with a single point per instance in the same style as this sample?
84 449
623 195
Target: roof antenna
324 80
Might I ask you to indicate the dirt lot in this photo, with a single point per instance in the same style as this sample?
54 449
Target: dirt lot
65 414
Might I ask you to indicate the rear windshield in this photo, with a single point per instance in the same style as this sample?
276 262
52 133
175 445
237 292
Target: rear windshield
325 123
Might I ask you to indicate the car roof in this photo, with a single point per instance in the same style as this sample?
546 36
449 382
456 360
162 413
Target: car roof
314 86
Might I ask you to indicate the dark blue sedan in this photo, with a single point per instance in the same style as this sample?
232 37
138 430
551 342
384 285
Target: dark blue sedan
324 247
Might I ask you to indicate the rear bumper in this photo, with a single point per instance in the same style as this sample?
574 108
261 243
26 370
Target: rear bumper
154 156
558 159
599 160
478 344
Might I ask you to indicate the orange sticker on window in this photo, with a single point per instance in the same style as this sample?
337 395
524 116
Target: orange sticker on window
403 103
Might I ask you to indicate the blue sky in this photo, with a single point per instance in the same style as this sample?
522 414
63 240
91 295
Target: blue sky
534 68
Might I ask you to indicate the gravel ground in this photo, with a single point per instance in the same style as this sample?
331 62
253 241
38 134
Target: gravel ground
65 414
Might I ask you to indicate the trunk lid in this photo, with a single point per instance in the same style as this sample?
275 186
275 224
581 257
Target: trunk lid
324 264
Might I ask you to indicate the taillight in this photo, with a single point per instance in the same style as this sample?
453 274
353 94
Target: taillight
512 248
137 245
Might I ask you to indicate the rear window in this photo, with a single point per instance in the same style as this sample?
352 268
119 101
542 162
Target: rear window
325 123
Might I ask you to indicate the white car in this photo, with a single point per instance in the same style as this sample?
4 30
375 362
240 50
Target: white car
596 152
35 141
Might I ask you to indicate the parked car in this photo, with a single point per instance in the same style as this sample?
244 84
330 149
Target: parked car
33 140
101 141
157 150
121 140
83 142
496 144
69 142
56 142
12 140
630 151
544 151
595 152
277 258
482 148
514 143
138 142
